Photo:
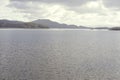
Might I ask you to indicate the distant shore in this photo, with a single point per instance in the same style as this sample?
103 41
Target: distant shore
47 24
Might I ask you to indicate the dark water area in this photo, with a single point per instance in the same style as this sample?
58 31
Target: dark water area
59 55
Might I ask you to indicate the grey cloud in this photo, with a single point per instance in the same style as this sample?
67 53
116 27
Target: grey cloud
32 10
24 6
112 3
68 4
63 2
73 5
18 5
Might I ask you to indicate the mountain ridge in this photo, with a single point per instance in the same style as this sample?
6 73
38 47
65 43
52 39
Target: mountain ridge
45 23
53 24
40 23
19 24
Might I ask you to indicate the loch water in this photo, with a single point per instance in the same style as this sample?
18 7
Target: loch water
48 54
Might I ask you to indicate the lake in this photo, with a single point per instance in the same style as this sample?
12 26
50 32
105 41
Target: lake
31 54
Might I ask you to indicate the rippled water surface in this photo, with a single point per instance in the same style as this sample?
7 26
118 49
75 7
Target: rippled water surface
59 55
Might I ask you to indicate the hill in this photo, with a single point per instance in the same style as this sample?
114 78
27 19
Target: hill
19 24
53 24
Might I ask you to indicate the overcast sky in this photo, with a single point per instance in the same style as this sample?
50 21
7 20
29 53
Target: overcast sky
79 12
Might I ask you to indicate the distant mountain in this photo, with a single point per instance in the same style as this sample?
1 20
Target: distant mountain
115 28
42 23
84 27
101 28
53 24
19 24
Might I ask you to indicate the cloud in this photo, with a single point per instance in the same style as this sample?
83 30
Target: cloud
113 4
81 6
9 13
62 2
79 12
18 5
89 7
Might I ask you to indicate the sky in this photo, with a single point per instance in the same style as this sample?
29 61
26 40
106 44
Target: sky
95 13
